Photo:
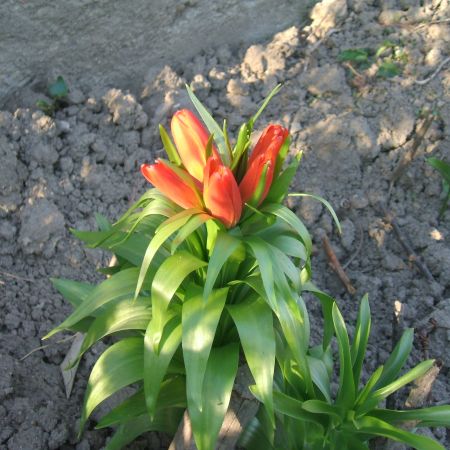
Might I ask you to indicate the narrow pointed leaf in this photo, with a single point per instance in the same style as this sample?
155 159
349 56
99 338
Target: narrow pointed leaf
280 186
119 286
371 425
292 407
397 359
346 395
166 422
250 318
156 361
365 392
126 315
169 146
264 257
167 280
321 407
359 345
320 377
73 291
327 303
409 376
266 101
324 202
172 394
438 416
200 319
290 218
217 386
162 234
119 366
213 127
186 230
224 247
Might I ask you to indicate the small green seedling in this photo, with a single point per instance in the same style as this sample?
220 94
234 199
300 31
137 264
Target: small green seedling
390 57
388 69
354 55
444 169
58 91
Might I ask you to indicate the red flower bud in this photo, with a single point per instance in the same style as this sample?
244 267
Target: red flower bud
190 138
173 182
221 193
263 158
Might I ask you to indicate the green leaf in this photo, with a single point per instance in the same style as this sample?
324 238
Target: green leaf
119 286
346 395
324 202
213 127
224 247
266 101
263 256
166 422
119 366
186 230
280 185
250 317
156 361
359 345
356 55
292 407
207 418
73 291
167 280
295 325
242 143
164 231
290 246
368 388
436 416
441 166
45 107
383 47
102 222
131 247
388 69
169 146
377 427
287 267
327 303
319 375
254 436
321 407
126 315
199 319
172 394
58 89
409 376
397 358
290 218
226 137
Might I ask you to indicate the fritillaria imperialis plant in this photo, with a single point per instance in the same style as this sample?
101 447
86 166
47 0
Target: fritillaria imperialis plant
354 415
210 266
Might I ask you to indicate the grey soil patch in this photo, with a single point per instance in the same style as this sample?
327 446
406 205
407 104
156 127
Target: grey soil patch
57 172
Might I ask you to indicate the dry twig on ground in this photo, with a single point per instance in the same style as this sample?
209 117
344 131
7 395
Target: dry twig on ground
434 74
336 265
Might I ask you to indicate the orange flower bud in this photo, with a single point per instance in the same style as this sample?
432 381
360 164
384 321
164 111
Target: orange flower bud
190 138
221 193
263 161
173 182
